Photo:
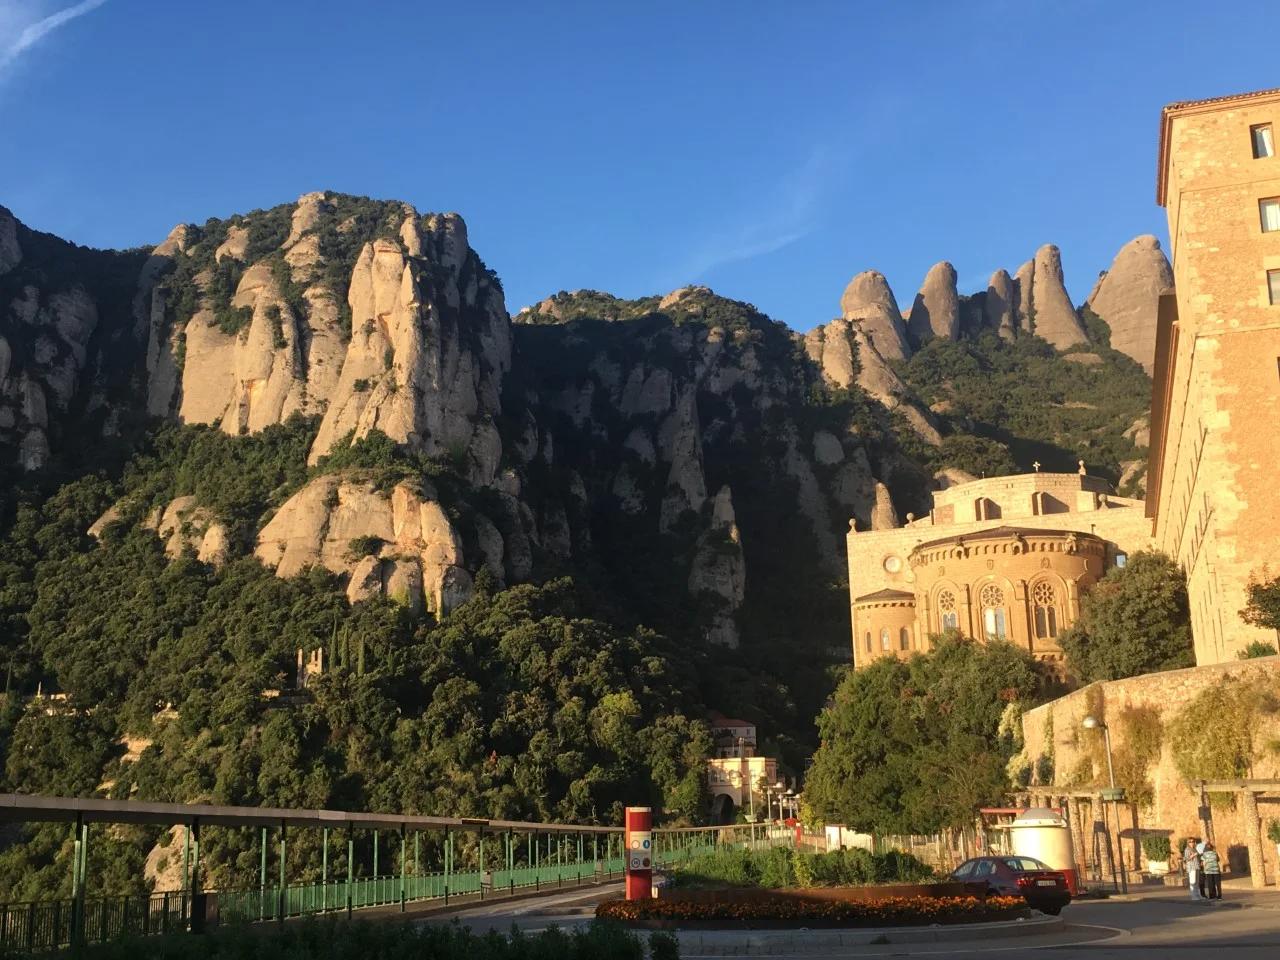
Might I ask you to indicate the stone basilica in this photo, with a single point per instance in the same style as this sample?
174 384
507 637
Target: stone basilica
1001 558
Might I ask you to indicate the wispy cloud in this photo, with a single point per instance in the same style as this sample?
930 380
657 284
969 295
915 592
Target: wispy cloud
786 214
22 26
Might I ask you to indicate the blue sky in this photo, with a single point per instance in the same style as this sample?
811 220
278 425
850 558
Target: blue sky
770 151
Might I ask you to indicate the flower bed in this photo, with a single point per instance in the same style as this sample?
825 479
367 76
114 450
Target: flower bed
778 912
898 891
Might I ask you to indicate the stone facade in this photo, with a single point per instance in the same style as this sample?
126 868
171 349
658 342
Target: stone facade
1054 730
1211 487
735 774
1005 557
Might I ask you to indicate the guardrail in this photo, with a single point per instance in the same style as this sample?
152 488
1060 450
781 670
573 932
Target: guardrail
555 855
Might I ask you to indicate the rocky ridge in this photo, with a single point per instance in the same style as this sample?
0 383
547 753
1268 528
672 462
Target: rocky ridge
586 433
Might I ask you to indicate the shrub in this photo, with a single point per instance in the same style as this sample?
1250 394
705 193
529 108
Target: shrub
1155 847
1273 830
664 946
1257 648
781 867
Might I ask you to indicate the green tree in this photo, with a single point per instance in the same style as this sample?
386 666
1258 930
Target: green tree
1263 607
913 746
1134 620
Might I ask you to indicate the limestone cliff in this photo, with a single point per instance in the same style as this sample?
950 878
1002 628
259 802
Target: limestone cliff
869 303
400 545
65 359
1127 297
411 337
719 571
846 357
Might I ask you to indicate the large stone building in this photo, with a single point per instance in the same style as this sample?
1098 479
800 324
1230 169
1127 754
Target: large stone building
1003 557
1216 405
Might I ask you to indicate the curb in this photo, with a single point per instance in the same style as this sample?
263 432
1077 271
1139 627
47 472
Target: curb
719 943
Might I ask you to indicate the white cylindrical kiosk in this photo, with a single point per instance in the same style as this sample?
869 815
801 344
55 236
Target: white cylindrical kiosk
1046 836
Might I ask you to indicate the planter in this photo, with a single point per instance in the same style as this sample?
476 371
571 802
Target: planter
1157 868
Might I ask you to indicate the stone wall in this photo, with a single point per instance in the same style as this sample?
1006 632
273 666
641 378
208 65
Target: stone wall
1175 807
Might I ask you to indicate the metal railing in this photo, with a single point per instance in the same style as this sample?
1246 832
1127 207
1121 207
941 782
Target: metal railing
48 925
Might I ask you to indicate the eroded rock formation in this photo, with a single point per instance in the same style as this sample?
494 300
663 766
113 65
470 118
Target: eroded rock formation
936 310
1056 319
400 545
869 303
1128 296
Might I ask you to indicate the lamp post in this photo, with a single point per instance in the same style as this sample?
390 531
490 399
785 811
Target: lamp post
1114 795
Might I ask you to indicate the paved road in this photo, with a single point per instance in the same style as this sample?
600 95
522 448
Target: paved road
1246 928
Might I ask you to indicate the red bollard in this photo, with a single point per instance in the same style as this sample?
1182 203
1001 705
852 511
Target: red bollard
638 840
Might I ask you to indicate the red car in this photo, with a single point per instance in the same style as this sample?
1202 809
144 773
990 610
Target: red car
1041 886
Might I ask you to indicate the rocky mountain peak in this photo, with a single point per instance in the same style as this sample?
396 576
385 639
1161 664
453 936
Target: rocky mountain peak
361 311
869 302
1056 319
1127 296
999 308
936 310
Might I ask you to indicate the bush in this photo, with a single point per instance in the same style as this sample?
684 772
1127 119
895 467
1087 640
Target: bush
1273 830
782 867
1257 648
1155 847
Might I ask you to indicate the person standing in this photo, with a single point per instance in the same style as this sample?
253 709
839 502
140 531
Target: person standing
1212 867
1191 861
1200 845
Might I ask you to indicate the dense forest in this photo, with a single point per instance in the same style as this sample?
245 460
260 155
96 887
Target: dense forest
529 703
1005 405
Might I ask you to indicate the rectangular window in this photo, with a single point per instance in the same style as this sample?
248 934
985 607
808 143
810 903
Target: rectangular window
1269 212
1262 143
1273 285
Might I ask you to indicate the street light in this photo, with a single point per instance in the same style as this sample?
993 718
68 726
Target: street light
1114 795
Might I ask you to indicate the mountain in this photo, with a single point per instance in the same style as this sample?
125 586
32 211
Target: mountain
304 456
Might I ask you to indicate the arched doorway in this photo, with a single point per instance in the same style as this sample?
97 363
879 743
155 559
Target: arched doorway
723 810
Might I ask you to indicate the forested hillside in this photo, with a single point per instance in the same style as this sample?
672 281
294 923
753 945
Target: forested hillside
298 515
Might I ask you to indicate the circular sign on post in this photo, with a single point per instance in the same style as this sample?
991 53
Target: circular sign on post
638 825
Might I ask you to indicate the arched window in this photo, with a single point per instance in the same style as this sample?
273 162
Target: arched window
1045 600
992 599
868 641
947 614
904 639
884 638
